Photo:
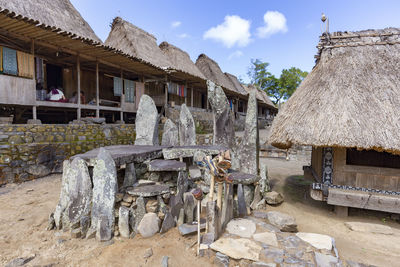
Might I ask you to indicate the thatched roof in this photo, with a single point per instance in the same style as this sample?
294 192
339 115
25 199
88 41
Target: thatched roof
55 13
236 84
350 99
136 42
180 60
260 95
213 72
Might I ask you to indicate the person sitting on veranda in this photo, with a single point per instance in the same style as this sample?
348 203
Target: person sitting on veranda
56 94
74 98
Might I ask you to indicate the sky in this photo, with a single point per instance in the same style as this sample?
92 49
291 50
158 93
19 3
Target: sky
283 33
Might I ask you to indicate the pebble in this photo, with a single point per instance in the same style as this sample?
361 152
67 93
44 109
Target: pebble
164 261
148 253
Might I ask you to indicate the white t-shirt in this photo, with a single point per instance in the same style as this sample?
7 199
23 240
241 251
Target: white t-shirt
55 97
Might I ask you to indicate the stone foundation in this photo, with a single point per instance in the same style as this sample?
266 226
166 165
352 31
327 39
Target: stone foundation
31 151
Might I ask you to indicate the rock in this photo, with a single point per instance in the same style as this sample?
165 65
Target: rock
62 204
20 261
123 222
189 151
127 198
292 242
262 264
207 239
149 225
130 175
269 227
272 254
227 205
167 223
119 197
105 187
187 229
241 227
242 210
164 261
139 212
187 128
84 225
103 229
316 240
369 228
146 123
248 191
264 180
261 205
266 238
51 223
223 117
159 165
176 204
148 253
244 178
181 218
324 260
356 264
125 204
182 184
241 248
213 219
257 198
152 205
189 206
260 214
170 134
249 147
76 233
150 190
273 198
283 221
221 260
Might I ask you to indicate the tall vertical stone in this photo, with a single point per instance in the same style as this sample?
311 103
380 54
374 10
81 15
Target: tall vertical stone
146 124
130 175
123 221
264 180
105 187
64 199
249 149
224 131
227 206
187 128
170 136
242 209
189 205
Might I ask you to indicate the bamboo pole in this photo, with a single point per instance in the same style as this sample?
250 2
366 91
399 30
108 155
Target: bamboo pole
198 226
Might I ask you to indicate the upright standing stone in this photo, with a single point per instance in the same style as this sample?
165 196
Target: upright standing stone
224 131
187 128
79 191
140 211
105 187
123 221
63 200
264 181
146 124
130 175
182 184
242 209
170 134
189 205
213 220
249 150
227 206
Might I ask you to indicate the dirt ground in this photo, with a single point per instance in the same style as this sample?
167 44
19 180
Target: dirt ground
24 211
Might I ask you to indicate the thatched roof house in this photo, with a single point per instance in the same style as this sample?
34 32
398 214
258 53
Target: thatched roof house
180 60
236 84
261 96
348 109
55 13
136 42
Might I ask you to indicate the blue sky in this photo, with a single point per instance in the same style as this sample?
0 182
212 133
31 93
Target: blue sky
283 33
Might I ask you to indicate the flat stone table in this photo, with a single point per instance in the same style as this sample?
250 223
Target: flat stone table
164 165
125 154
150 190
177 152
244 178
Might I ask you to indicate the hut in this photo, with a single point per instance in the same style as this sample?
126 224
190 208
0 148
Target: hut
348 110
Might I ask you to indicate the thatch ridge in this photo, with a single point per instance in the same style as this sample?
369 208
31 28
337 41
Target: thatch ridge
236 84
350 99
180 60
136 42
260 95
213 72
55 13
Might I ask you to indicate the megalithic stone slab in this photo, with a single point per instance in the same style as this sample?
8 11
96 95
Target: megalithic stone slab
123 221
227 206
242 209
167 223
182 184
130 175
264 181
187 128
170 136
79 191
189 205
104 189
146 123
249 150
176 203
64 199
224 131
140 211
213 219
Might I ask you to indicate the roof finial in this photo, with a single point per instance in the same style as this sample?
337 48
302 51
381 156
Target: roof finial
325 19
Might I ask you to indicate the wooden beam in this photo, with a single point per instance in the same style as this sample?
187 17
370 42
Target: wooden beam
191 96
78 75
97 91
34 111
122 97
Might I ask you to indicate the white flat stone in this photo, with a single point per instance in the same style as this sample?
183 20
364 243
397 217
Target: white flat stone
266 238
240 248
369 228
325 260
241 227
316 240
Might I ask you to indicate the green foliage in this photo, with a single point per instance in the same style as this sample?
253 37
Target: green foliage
277 88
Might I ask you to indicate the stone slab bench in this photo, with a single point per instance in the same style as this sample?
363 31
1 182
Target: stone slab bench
244 178
188 151
149 190
125 154
160 165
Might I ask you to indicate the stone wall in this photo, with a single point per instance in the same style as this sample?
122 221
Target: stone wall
31 151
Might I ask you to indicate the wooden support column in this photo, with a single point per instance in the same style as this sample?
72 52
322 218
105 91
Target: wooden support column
78 75
166 92
186 93
122 98
191 96
97 91
34 113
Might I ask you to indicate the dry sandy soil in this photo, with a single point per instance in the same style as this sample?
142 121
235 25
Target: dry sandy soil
24 211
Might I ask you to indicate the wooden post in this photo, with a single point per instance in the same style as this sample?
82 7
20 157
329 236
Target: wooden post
97 91
198 226
122 98
78 75
186 93
166 92
34 113
191 97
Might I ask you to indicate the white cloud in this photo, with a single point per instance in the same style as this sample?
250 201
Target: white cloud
175 24
233 31
275 22
235 54
183 35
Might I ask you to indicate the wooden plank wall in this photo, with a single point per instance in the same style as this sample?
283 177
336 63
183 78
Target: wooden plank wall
363 176
316 161
17 90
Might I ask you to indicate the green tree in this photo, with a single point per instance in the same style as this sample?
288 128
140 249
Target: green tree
278 89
